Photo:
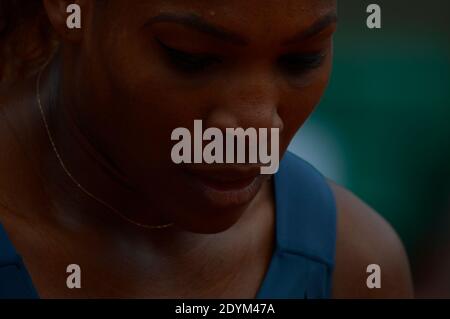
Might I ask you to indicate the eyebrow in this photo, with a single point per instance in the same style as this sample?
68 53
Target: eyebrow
198 23
317 27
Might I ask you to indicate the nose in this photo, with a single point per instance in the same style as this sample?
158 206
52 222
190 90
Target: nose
249 99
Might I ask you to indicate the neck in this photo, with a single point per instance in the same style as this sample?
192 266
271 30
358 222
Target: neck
76 164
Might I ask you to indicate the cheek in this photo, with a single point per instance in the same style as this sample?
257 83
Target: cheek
152 92
298 103
145 103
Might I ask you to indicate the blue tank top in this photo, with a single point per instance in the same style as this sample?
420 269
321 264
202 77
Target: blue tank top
303 259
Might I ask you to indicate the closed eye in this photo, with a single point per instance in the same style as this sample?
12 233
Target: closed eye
188 62
298 64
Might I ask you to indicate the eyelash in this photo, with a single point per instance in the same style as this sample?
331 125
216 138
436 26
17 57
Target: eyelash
188 62
298 64
292 64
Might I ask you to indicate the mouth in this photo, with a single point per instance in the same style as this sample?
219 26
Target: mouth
226 187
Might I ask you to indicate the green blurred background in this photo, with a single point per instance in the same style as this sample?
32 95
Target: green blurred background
382 129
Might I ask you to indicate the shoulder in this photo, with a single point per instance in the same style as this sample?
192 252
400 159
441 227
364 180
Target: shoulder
364 238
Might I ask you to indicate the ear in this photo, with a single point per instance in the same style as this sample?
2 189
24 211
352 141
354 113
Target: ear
62 14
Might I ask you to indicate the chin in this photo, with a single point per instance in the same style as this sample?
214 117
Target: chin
209 201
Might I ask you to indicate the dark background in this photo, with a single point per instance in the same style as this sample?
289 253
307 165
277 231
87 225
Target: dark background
383 130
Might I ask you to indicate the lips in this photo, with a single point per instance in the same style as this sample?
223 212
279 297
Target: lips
225 186
226 178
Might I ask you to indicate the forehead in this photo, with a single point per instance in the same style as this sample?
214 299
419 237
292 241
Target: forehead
252 17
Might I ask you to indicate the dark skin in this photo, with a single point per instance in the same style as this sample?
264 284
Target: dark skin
121 93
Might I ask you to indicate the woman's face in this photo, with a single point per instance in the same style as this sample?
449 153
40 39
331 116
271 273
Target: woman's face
145 68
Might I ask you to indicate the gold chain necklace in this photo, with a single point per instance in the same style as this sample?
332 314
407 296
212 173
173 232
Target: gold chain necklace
70 175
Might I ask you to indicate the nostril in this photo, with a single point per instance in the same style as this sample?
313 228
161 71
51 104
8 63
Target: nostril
222 118
244 115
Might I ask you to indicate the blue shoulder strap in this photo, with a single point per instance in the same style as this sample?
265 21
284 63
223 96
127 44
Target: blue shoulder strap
303 259
15 282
